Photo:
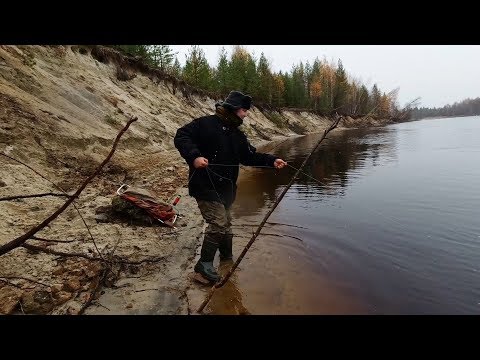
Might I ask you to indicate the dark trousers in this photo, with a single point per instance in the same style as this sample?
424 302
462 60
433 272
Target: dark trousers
218 234
218 218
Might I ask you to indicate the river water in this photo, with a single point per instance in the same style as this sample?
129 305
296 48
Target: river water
382 221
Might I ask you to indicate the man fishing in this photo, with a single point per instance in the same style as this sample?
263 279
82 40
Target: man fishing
213 147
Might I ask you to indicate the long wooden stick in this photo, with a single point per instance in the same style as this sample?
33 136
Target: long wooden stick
25 278
16 197
59 188
259 228
21 239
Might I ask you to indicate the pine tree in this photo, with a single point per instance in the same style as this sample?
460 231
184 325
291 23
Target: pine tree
265 80
237 69
221 78
289 99
341 89
136 50
242 74
176 69
251 80
197 71
315 87
374 102
298 85
162 56
364 100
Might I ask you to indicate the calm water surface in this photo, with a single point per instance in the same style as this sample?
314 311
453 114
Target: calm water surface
390 226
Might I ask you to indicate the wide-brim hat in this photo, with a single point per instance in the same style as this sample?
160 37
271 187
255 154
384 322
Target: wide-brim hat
236 100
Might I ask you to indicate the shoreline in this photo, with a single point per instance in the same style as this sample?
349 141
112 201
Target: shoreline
161 287
61 121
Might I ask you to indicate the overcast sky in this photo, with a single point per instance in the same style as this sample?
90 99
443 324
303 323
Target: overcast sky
438 74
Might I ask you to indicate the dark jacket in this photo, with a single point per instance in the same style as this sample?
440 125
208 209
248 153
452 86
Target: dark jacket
212 138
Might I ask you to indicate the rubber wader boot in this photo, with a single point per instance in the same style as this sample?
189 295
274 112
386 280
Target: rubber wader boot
204 266
225 247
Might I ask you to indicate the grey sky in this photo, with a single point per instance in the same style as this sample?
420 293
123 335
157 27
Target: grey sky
438 74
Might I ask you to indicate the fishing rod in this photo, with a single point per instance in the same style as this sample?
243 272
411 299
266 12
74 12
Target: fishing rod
259 228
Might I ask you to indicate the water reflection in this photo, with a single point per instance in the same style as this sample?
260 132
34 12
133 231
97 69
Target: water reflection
336 159
391 229
296 271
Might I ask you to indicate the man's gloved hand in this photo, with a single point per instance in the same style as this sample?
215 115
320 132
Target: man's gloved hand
200 162
279 163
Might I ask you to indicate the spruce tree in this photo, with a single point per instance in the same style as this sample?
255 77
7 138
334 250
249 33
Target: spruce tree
197 71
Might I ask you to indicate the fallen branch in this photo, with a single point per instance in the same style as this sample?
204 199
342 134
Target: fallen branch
257 232
100 279
182 292
21 239
60 253
151 260
271 234
59 188
99 304
50 240
10 283
9 198
275 223
24 278
283 235
269 223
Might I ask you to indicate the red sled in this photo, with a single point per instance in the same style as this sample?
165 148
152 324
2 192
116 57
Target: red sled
158 210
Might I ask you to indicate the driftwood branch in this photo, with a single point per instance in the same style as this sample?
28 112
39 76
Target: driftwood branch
24 278
21 239
171 288
98 304
257 232
275 223
60 253
147 260
9 198
50 240
278 235
9 283
100 279
270 223
59 188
